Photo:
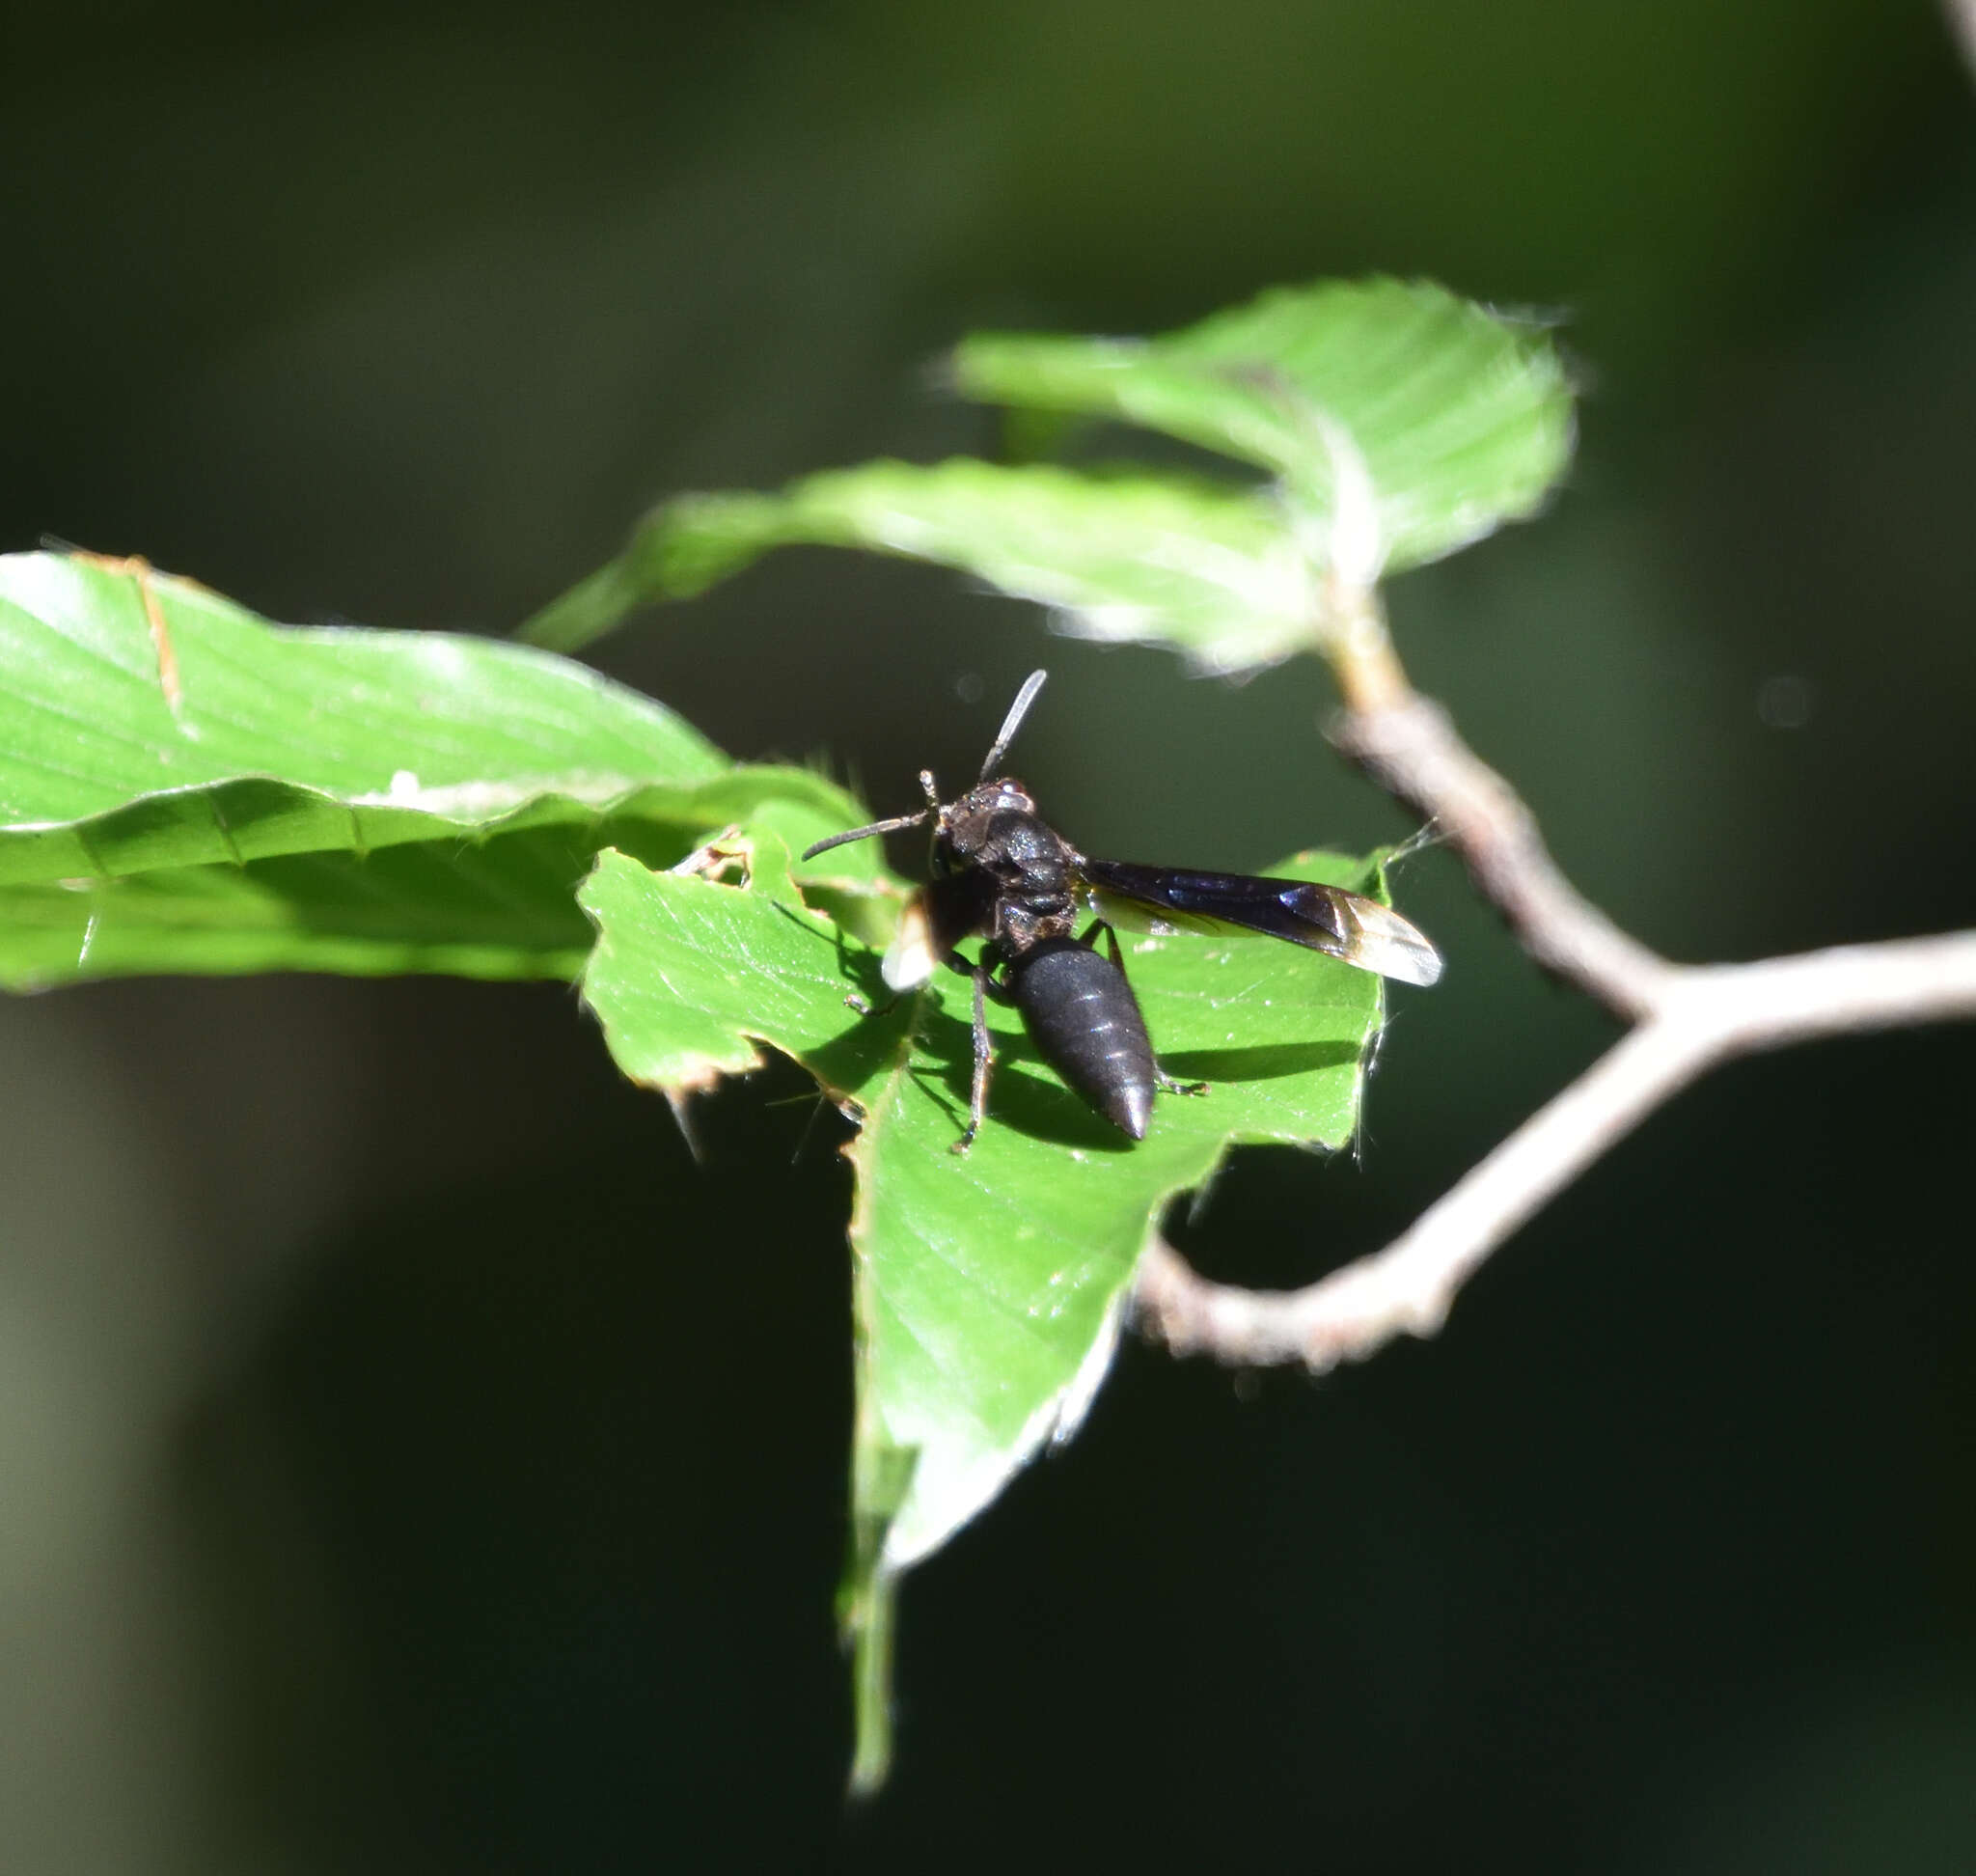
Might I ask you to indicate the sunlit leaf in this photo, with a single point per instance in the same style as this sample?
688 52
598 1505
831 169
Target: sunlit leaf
1212 570
1394 413
1397 423
186 787
988 1286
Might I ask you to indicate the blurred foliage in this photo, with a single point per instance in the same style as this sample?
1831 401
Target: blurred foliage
1397 421
186 787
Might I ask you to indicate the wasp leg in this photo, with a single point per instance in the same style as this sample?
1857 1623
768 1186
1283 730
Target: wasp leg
984 1063
1167 1083
991 962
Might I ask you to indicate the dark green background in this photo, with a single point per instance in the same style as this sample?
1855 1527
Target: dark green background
411 1461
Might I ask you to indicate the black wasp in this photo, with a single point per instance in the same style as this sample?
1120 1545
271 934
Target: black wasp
1001 874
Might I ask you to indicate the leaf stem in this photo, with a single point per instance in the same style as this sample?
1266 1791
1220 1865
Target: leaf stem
872 1683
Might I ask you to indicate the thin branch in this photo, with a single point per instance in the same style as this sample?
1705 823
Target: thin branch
1411 749
1687 1019
1708 1016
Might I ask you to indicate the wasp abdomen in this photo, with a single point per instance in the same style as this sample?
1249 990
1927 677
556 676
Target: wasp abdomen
1082 1017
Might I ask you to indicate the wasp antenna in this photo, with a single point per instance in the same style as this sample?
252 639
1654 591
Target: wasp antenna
1013 721
891 826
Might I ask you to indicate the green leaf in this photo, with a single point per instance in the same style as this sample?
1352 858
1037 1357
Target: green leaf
988 1287
1399 423
1403 422
1212 570
186 787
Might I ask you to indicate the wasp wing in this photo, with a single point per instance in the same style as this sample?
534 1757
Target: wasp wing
935 920
1345 925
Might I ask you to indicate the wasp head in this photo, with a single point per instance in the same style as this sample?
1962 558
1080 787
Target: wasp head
974 830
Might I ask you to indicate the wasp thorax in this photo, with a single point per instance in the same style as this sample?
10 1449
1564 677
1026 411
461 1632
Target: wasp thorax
996 827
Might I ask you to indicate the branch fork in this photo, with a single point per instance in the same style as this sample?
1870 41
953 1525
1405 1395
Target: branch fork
1683 1020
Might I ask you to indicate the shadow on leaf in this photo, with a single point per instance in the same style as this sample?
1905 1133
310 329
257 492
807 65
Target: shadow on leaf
1023 1094
1271 1061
